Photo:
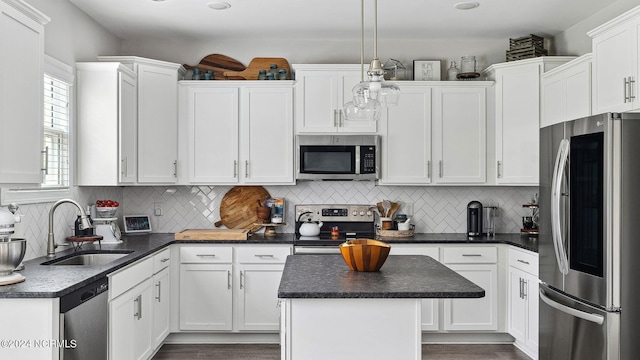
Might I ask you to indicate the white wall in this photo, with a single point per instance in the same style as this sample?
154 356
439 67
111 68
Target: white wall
574 41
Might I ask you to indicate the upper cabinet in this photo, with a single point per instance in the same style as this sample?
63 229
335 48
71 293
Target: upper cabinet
616 47
321 92
566 92
237 132
21 94
157 117
517 117
436 134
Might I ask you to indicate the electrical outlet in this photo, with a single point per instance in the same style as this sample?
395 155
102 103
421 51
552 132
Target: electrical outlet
158 209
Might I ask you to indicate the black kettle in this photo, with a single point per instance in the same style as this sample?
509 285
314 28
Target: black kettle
474 218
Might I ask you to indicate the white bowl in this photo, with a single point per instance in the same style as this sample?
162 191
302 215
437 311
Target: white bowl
106 212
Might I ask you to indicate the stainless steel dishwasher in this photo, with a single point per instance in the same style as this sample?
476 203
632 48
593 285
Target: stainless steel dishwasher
83 322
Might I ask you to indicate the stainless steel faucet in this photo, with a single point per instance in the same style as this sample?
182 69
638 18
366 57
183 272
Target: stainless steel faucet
84 224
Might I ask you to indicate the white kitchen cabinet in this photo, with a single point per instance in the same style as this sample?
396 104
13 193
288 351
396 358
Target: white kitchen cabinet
29 320
479 265
517 117
237 133
157 117
406 137
107 124
616 48
430 307
566 92
321 92
436 134
161 297
218 293
21 94
459 134
522 317
131 311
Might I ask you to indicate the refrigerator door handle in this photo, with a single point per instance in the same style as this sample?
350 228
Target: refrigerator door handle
556 195
595 318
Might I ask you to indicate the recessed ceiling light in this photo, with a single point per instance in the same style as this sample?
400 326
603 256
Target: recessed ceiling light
466 5
219 5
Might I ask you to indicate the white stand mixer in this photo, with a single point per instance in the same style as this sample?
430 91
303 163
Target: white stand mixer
109 229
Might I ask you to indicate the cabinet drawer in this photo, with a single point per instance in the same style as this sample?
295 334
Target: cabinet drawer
263 254
206 254
161 260
129 277
524 260
470 255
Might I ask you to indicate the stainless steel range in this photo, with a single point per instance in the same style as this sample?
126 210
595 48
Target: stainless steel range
350 221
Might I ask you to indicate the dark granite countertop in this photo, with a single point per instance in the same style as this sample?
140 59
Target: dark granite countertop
401 276
526 242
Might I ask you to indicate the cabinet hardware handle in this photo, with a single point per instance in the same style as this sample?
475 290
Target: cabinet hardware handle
429 169
175 168
335 118
123 164
264 256
626 84
471 254
235 168
498 168
241 279
525 284
440 168
45 152
631 82
228 279
206 255
521 297
138 302
246 168
524 262
158 285
164 260
341 115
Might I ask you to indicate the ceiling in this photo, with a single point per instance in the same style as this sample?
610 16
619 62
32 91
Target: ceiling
335 19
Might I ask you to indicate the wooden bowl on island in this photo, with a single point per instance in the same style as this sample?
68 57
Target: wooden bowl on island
364 254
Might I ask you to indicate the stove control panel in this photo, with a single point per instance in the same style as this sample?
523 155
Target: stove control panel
341 212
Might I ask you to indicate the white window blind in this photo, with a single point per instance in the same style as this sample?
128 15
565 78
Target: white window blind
56 133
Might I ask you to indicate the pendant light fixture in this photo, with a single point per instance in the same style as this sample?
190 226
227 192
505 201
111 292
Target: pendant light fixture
369 96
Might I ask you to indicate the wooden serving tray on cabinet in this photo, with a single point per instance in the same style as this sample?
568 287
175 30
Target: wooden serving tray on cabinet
212 234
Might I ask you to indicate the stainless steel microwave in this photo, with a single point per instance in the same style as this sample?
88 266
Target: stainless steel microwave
337 157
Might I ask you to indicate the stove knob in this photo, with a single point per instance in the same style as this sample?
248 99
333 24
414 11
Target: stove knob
354 213
369 213
361 213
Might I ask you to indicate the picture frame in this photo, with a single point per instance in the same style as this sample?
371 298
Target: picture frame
134 224
426 70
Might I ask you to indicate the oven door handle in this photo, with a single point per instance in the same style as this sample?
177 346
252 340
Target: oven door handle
594 318
556 195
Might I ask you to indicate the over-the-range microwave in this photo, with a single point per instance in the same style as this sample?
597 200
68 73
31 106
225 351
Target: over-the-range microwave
337 157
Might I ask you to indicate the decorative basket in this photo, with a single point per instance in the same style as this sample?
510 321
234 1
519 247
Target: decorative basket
526 47
394 233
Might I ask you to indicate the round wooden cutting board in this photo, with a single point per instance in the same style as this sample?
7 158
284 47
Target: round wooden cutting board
238 207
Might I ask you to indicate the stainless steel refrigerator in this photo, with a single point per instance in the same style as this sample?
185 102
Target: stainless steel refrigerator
589 242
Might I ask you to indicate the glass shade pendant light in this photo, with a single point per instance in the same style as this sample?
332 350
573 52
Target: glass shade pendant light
369 96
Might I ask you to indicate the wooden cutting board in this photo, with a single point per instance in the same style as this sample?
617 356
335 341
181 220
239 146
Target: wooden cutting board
212 234
238 207
219 64
251 72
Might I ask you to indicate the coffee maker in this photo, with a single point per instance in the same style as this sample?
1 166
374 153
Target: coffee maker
474 218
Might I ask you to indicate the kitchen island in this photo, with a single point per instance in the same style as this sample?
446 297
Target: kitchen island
331 312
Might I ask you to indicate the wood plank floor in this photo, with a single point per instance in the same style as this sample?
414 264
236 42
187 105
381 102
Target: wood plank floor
272 352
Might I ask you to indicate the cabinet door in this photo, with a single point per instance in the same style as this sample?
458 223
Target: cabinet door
317 101
157 124
406 139
206 300
578 85
531 294
21 96
517 313
128 129
267 135
130 323
459 126
161 306
346 81
212 117
257 303
554 100
613 64
517 125
474 314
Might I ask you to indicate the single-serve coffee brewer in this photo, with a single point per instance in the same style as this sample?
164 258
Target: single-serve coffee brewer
474 218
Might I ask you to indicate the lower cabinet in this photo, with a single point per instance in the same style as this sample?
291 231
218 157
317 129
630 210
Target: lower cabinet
522 317
161 297
230 288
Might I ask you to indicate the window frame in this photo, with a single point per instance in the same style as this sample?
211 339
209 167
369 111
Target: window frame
33 195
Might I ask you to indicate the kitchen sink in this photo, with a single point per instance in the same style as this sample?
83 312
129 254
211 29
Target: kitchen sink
92 258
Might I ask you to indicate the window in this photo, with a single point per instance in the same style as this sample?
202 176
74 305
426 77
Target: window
56 146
